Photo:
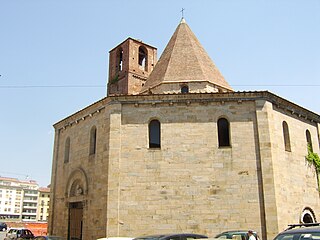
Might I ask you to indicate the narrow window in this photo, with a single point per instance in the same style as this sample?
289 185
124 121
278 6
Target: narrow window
309 142
154 134
286 136
223 132
120 59
67 150
143 59
93 140
184 89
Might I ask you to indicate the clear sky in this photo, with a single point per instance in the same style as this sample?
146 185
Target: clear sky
54 58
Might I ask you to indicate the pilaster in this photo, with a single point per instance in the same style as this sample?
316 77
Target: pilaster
113 205
269 224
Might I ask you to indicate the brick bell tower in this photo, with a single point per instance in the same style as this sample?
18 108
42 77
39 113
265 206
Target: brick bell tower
130 64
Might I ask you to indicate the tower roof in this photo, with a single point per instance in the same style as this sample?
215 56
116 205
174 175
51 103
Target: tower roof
185 60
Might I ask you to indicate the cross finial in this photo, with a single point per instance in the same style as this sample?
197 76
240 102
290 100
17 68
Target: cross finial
182 11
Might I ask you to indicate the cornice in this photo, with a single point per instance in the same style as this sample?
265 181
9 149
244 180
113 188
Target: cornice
202 98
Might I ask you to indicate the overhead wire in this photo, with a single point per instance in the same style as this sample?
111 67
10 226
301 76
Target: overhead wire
103 86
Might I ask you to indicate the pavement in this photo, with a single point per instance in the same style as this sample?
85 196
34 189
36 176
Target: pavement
2 235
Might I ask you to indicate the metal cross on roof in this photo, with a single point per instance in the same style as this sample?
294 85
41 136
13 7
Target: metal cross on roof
182 11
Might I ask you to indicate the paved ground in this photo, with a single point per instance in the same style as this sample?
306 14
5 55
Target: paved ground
2 235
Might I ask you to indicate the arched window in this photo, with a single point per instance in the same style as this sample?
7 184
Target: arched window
223 132
120 59
309 142
93 140
67 150
184 89
286 136
143 58
154 134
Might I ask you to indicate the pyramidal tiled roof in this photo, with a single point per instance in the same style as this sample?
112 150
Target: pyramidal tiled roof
184 60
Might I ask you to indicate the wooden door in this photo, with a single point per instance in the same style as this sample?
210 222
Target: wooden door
75 221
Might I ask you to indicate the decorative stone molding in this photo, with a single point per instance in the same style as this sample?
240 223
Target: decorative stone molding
77 184
308 214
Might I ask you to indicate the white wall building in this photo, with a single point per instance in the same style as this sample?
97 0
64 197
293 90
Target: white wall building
19 199
43 204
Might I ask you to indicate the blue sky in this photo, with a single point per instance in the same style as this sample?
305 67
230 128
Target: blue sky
54 58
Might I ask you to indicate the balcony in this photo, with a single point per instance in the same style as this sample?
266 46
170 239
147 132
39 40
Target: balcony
29 207
31 194
29 214
30 201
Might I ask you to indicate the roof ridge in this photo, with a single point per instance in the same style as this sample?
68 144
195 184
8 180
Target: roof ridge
195 54
170 58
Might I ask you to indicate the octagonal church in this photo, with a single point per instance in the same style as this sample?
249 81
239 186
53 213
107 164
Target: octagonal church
173 148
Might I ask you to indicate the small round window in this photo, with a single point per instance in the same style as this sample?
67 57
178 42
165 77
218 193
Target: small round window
184 89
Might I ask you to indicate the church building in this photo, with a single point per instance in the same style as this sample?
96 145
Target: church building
174 148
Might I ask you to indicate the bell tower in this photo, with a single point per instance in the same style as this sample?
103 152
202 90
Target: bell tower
130 64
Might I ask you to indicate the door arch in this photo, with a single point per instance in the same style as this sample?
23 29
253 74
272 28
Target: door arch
308 216
76 194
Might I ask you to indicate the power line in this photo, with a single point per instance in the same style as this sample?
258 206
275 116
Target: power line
277 85
52 86
103 86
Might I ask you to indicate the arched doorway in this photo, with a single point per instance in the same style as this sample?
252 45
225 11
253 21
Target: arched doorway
76 192
308 216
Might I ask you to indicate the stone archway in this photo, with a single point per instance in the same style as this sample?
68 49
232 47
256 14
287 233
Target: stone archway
308 216
76 194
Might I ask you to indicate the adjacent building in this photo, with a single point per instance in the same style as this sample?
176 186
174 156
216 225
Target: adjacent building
173 148
11 198
43 204
19 200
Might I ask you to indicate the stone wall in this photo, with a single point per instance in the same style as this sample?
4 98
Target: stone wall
91 170
294 180
194 87
190 184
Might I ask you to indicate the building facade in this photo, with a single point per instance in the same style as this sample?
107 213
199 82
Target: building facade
43 204
11 198
181 152
19 199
